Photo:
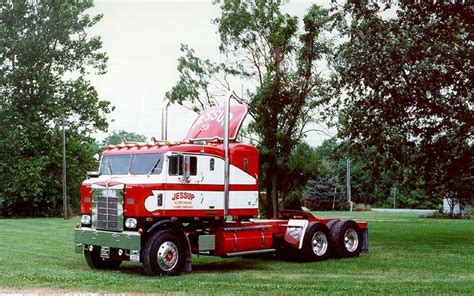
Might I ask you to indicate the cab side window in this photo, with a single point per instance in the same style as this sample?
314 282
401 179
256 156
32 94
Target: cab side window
211 164
176 165
193 166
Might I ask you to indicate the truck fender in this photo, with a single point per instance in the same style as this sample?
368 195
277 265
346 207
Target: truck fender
295 232
178 229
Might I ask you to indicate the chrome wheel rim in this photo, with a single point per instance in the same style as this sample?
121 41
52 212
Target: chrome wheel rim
319 243
167 256
351 240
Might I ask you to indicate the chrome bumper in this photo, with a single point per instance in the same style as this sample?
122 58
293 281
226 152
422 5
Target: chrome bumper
128 240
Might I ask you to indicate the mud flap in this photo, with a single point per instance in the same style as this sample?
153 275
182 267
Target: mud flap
365 240
188 263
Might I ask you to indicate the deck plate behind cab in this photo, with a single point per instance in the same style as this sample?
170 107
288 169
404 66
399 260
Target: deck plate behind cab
210 124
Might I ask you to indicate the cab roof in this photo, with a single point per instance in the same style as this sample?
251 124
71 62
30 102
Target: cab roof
209 148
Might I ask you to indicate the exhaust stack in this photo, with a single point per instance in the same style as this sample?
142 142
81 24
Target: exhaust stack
226 155
164 120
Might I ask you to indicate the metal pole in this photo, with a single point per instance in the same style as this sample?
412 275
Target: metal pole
394 196
64 168
226 155
164 120
348 177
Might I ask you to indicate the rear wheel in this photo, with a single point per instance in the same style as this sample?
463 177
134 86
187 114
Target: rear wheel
331 224
163 254
316 244
94 260
346 239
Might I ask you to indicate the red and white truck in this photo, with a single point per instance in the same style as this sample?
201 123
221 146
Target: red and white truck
158 203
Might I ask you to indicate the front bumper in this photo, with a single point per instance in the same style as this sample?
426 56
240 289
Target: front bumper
127 240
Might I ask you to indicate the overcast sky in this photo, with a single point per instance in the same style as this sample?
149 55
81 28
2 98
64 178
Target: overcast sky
142 40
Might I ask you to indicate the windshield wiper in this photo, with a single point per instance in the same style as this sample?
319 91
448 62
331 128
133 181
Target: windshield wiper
154 166
130 163
109 166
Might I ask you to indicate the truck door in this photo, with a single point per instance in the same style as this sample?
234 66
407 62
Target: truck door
180 184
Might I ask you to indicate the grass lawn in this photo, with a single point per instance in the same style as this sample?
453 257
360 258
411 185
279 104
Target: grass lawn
408 255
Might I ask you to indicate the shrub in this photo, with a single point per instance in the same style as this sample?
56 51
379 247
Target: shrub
362 207
294 199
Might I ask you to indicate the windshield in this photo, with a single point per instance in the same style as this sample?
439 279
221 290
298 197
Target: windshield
135 164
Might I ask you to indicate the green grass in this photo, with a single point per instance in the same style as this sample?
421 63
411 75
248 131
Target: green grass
408 255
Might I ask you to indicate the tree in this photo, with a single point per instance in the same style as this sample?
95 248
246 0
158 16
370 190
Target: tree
372 183
323 195
304 164
121 136
406 85
266 48
45 55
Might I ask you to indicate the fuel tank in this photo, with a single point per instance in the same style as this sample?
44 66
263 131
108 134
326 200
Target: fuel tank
236 239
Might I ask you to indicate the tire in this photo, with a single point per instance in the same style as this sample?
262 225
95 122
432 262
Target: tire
331 223
346 239
164 254
316 243
94 260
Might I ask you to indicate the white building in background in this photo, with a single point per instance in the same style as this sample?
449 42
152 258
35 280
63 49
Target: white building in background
446 207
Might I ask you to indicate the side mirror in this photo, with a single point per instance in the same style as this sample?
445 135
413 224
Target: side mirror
186 166
92 175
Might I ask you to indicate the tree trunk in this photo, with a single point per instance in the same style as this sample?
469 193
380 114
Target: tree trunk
451 204
268 202
275 195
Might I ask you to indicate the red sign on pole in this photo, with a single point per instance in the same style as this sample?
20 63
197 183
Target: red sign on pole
210 124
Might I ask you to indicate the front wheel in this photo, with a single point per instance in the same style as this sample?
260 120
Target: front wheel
316 244
94 260
163 254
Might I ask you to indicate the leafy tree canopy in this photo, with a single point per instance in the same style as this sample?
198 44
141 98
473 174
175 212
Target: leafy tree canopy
278 55
45 55
121 136
405 91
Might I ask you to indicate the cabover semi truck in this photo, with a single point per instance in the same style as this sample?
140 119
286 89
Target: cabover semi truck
159 202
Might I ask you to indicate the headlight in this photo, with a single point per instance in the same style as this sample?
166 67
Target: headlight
86 219
131 223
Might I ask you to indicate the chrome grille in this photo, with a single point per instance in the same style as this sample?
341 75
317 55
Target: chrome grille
107 214
108 209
